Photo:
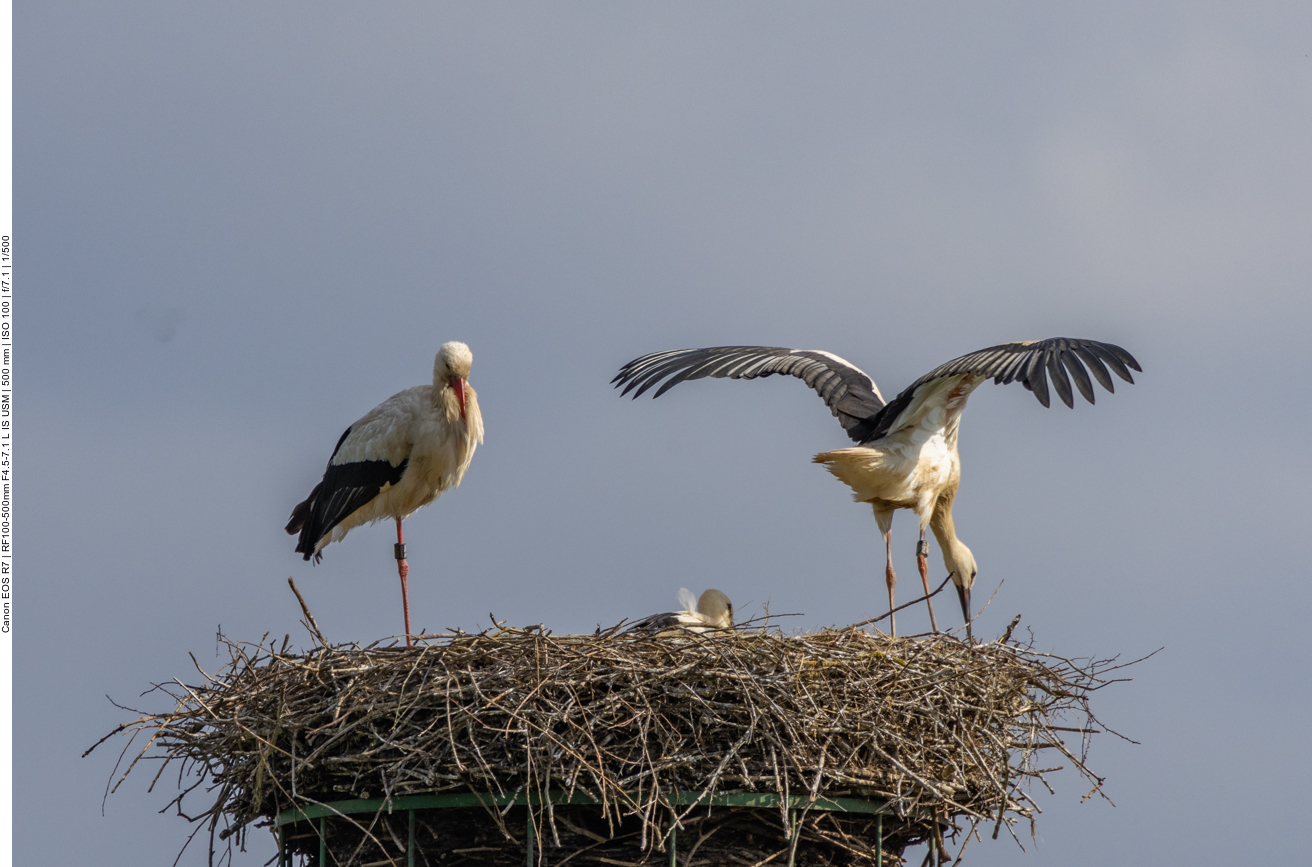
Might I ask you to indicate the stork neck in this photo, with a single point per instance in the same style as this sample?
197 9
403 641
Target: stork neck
447 402
941 523
945 530
956 556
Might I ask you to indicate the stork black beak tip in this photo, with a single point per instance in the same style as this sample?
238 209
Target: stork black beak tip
963 593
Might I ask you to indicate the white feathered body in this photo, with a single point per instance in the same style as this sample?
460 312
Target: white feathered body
917 463
421 425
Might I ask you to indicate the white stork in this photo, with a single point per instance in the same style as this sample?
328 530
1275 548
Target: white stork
712 612
402 455
907 453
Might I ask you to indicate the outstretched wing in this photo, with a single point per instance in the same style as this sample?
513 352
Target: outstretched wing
850 394
1030 362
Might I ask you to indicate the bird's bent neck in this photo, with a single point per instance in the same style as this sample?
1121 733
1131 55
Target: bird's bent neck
941 523
956 556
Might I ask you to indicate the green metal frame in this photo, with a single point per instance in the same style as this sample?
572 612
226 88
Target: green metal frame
410 803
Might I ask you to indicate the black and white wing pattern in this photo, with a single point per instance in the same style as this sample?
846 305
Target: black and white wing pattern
665 622
346 486
849 392
1030 362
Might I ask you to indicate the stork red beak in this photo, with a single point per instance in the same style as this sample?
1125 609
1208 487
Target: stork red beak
459 385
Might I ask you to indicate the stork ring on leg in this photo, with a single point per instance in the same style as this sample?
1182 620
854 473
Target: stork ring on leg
403 568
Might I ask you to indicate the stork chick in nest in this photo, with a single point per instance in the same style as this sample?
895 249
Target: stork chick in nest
711 613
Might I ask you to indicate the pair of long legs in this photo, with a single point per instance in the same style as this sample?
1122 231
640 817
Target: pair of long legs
885 521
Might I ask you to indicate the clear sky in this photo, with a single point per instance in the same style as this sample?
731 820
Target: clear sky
240 226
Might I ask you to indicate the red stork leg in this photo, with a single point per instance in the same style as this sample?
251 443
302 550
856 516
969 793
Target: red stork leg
922 559
891 577
403 568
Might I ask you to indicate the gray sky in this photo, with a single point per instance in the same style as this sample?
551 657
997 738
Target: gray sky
241 226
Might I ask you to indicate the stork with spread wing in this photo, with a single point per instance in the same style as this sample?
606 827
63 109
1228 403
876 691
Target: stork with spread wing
906 452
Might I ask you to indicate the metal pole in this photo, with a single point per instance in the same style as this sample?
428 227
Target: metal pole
792 844
674 839
528 811
323 841
879 840
410 844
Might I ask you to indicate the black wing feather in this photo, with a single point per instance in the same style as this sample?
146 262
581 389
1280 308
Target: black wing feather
1078 374
345 488
1031 363
1060 383
1096 367
657 622
1117 361
850 394
1035 378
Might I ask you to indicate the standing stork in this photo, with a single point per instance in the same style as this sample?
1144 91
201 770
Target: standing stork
401 456
906 457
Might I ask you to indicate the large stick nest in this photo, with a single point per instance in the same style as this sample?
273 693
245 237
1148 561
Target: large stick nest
943 731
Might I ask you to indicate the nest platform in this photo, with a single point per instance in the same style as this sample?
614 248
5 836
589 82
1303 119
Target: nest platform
516 746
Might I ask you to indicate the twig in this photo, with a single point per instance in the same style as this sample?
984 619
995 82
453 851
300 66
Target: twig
314 627
904 605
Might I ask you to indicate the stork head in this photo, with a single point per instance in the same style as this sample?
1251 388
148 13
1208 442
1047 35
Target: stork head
716 609
451 368
961 566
